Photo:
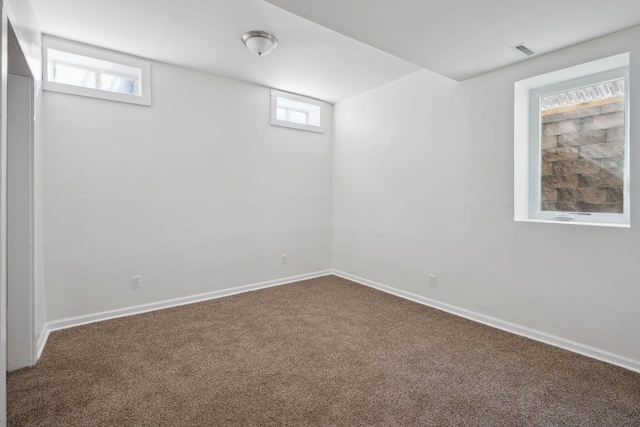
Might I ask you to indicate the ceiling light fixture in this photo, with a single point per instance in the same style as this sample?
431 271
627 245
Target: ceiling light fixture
259 42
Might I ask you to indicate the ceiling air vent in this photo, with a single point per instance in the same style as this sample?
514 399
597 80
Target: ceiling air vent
523 49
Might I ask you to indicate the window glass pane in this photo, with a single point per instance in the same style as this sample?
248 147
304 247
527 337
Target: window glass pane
583 149
314 116
282 114
73 75
300 112
115 83
298 117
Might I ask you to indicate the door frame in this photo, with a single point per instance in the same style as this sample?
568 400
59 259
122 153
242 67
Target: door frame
6 13
21 337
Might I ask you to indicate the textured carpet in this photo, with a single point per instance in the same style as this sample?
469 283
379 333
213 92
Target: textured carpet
323 352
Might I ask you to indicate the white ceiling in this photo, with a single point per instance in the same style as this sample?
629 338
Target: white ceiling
205 35
464 38
335 49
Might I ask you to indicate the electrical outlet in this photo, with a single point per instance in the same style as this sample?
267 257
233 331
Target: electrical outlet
136 282
432 280
284 258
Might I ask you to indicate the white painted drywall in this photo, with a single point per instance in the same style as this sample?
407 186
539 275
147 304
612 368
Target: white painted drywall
21 336
23 20
28 35
423 183
21 15
196 193
27 30
40 303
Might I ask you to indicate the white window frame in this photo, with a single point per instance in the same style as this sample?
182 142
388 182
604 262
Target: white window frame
274 111
527 140
144 96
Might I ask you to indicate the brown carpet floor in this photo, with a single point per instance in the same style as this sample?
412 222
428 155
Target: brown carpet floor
321 352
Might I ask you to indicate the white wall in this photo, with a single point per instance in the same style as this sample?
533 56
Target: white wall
25 25
22 17
27 30
38 238
423 183
197 193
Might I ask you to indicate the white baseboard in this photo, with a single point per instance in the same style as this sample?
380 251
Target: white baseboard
139 309
585 350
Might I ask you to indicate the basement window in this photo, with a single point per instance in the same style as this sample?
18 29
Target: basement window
572 145
83 70
297 112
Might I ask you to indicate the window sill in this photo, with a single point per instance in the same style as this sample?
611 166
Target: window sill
96 93
551 221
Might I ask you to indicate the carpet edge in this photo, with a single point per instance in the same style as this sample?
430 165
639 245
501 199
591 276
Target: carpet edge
556 341
71 322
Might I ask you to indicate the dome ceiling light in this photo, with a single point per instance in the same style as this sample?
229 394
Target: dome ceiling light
259 42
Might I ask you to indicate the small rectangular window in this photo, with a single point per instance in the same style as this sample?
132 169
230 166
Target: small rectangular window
88 71
577 163
296 111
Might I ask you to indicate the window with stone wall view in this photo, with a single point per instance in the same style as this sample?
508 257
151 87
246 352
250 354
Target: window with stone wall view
583 149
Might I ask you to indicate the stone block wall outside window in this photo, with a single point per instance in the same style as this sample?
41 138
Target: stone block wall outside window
583 158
